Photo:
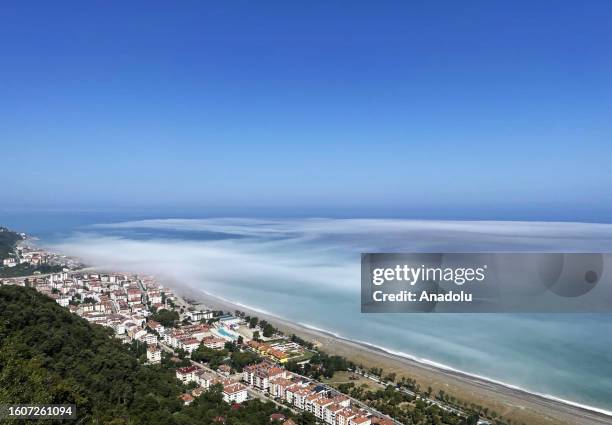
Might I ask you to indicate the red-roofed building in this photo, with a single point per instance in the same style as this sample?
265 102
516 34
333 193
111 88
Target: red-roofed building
187 398
276 417
360 420
344 416
278 387
189 344
382 421
330 411
187 374
259 375
134 295
234 393
213 342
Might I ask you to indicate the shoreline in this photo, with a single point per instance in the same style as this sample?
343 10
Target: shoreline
508 400
521 405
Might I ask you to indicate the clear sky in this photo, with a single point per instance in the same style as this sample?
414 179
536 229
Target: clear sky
491 109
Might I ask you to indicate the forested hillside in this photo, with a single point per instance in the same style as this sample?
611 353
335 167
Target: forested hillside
48 355
8 239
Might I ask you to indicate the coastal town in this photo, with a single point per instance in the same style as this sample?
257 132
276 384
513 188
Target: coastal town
243 357
127 304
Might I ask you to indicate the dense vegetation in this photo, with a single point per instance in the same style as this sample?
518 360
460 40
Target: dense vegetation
48 355
25 269
321 364
166 318
231 355
8 240
405 407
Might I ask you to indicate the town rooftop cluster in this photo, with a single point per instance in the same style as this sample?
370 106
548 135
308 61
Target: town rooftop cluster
125 303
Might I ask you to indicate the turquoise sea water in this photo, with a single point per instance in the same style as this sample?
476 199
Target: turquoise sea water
307 272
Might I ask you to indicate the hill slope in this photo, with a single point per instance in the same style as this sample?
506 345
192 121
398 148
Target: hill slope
8 239
48 355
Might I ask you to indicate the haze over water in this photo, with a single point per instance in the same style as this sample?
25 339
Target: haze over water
307 271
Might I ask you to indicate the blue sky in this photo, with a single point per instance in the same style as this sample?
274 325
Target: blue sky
423 109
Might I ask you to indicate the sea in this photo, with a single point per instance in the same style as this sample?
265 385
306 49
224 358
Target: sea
306 270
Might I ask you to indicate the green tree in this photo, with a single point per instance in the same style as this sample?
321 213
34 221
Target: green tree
268 330
167 318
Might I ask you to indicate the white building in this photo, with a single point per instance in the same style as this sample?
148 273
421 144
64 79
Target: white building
9 262
213 342
189 344
139 334
187 374
150 339
234 393
196 316
230 321
344 416
63 301
300 396
119 328
153 354
205 379
260 375
329 413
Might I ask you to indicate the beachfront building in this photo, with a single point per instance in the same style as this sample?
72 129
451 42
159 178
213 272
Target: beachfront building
196 316
277 355
229 321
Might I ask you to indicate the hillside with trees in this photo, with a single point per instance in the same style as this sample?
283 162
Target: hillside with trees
8 239
50 356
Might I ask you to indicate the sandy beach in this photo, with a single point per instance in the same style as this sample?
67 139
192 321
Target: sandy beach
521 406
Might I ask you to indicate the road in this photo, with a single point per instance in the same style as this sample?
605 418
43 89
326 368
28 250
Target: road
251 391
